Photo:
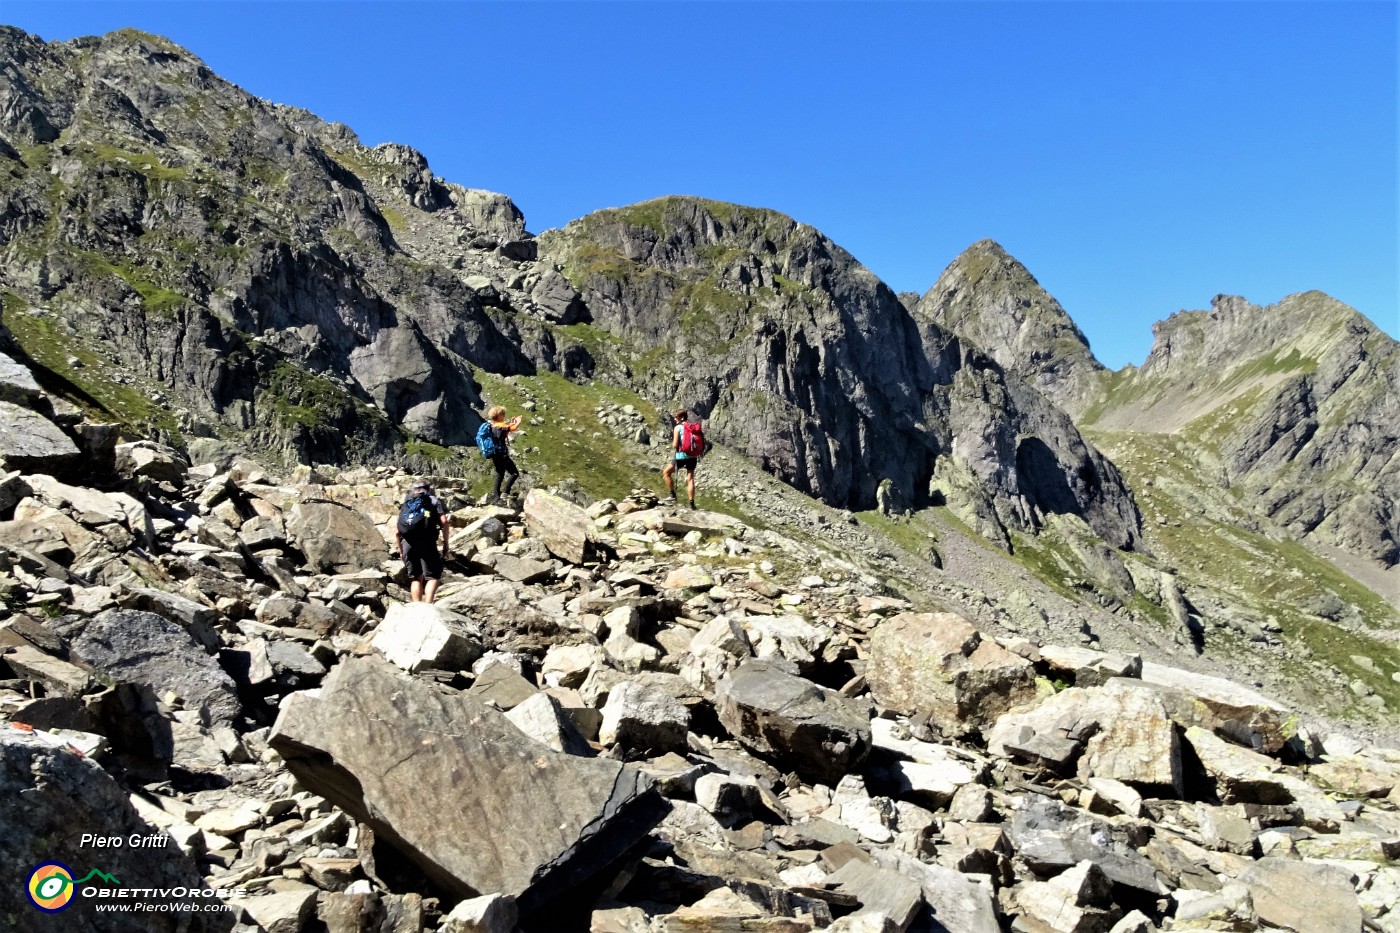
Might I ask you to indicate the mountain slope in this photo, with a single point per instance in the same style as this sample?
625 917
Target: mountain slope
1298 402
801 358
250 261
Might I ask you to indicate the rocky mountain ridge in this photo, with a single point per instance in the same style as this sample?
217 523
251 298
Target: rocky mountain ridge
232 275
1300 403
620 718
803 360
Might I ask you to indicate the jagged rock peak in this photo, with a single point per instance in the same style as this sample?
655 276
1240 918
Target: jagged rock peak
1298 401
990 299
1235 331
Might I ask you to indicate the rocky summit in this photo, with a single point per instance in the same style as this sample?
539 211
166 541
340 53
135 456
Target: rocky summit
968 632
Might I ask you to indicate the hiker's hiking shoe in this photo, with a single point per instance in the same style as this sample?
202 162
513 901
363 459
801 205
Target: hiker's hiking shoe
692 503
669 500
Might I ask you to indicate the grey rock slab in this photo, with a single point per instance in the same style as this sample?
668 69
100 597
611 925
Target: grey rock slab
490 913
1225 707
335 539
31 443
644 718
154 461
881 891
960 904
444 779
418 636
1048 836
1307 897
564 528
795 723
521 569
541 718
144 648
284 911
17 384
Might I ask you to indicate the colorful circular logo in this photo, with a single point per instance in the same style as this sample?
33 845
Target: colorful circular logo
51 887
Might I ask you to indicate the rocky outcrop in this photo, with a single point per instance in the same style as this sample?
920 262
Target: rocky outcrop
799 357
992 301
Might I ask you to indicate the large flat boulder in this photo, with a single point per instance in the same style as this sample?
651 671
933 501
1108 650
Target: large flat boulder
453 785
416 636
31 443
562 526
1224 707
334 538
793 722
1307 897
938 663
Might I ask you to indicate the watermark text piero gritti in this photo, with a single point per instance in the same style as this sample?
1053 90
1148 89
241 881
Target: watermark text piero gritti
134 841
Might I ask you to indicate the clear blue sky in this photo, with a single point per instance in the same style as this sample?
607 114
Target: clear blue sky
1138 157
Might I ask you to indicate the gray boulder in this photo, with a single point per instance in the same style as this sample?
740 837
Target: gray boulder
458 789
334 538
31 443
793 722
144 648
562 526
938 663
1306 897
1051 837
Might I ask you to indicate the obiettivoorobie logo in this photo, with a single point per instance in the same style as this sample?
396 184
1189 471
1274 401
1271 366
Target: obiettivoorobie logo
51 885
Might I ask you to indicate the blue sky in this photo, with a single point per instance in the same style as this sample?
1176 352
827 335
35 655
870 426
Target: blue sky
1138 157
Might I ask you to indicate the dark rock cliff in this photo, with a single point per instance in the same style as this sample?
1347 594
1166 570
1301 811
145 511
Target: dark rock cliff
804 360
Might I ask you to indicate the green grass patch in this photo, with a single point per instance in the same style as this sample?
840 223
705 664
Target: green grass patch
155 299
912 535
604 466
394 218
148 164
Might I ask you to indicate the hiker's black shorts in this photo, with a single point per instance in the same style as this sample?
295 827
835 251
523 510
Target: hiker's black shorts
687 462
424 561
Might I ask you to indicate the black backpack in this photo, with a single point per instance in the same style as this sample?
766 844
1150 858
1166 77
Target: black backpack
418 519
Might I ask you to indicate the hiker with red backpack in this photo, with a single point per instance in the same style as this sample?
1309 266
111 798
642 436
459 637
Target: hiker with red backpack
688 443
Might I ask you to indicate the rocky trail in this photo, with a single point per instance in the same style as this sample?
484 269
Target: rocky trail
618 717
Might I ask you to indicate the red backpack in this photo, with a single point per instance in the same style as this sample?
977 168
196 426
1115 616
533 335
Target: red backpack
692 439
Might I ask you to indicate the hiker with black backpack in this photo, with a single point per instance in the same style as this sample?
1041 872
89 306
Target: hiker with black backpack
493 440
688 444
420 519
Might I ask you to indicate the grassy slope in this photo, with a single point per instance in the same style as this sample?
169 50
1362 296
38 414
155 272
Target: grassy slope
1270 578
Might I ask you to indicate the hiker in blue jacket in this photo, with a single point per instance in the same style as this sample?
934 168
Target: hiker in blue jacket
494 437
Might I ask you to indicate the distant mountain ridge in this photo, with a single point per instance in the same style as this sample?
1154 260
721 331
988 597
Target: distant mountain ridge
1299 401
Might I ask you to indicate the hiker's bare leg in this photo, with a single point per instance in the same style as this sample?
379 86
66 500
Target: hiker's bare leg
666 473
415 591
430 591
690 484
